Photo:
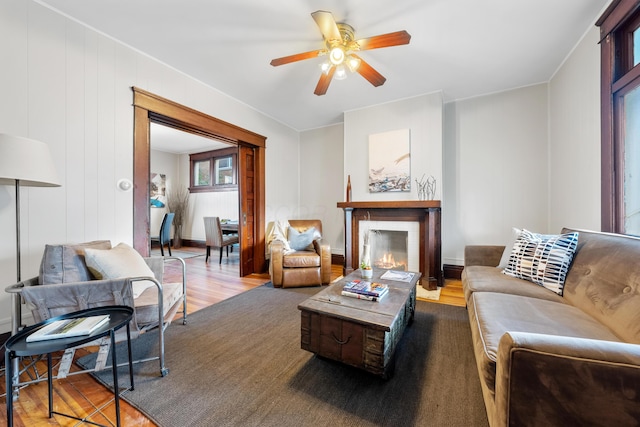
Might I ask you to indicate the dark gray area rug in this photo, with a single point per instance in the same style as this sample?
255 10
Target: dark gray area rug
239 363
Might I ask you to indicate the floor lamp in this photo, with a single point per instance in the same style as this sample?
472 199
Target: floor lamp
25 163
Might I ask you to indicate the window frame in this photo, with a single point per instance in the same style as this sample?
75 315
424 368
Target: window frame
212 156
618 77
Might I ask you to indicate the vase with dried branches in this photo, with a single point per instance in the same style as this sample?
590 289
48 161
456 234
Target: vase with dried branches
178 203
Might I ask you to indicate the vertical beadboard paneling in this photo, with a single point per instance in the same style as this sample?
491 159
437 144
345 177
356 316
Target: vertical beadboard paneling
125 73
106 151
74 177
46 94
13 120
91 191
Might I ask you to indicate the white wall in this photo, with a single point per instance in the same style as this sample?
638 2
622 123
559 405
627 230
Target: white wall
70 87
574 139
422 115
496 171
321 165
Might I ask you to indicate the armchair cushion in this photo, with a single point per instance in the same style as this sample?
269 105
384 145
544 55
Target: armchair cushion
300 259
120 262
66 264
302 240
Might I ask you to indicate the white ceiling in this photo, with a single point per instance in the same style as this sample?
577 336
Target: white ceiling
463 48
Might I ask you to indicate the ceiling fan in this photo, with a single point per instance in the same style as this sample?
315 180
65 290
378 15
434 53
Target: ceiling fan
340 46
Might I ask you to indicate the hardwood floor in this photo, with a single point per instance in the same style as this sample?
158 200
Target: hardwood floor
208 284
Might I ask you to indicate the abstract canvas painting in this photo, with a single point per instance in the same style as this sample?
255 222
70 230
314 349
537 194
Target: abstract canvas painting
390 161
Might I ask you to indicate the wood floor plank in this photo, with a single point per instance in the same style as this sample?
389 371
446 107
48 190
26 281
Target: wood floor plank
208 283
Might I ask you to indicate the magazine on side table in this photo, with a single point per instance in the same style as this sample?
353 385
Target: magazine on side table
68 328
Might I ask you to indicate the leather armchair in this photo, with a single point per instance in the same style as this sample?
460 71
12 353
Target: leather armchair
294 268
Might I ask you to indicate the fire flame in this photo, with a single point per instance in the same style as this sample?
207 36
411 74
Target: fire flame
388 261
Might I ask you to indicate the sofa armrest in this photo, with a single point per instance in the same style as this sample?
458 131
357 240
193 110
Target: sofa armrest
275 264
552 380
487 255
324 250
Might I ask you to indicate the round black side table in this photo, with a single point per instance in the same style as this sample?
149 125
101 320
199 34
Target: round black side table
17 346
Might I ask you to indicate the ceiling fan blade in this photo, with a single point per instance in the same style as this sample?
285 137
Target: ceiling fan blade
369 73
298 57
323 83
384 40
327 25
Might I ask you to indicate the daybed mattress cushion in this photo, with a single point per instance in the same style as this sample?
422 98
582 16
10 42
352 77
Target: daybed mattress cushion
477 278
492 314
146 304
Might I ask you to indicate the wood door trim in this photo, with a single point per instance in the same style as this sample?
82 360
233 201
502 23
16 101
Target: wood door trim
148 108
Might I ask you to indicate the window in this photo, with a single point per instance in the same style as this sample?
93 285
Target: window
620 97
214 171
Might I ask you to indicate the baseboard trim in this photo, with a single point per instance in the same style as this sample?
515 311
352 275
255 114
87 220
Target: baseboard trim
337 259
452 271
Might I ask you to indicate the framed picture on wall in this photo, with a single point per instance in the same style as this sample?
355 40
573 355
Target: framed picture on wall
390 161
158 190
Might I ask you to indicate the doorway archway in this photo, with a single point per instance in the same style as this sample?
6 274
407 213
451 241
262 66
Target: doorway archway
152 108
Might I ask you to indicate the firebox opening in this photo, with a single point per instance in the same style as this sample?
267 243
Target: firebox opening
389 249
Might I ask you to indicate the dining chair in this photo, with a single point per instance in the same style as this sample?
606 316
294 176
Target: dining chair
215 238
164 236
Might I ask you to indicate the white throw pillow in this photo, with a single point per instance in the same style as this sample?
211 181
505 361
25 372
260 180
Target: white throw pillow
504 261
543 259
119 262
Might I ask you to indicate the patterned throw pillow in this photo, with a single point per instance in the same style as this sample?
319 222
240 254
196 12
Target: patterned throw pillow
543 259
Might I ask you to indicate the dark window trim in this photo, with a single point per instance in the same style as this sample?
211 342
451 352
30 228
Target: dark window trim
212 156
616 78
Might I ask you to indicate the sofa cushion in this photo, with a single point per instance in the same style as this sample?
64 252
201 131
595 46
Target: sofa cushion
302 240
478 278
66 263
604 281
119 262
542 258
493 314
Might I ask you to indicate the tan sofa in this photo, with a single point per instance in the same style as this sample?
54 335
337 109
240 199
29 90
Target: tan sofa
550 360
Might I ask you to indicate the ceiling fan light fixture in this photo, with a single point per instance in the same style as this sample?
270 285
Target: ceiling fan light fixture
353 63
341 73
325 67
336 55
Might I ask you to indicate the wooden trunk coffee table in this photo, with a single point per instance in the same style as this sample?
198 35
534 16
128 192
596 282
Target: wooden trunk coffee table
358 332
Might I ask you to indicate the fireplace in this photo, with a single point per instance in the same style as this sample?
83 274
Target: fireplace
389 249
393 244
407 231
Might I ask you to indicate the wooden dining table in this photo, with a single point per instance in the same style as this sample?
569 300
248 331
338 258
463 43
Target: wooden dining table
229 227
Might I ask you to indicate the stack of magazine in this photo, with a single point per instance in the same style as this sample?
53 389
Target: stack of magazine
362 289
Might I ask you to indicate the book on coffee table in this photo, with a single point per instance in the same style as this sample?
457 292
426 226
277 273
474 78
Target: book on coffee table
69 328
363 297
365 287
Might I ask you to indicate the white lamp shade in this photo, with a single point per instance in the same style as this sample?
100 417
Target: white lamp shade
26 160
